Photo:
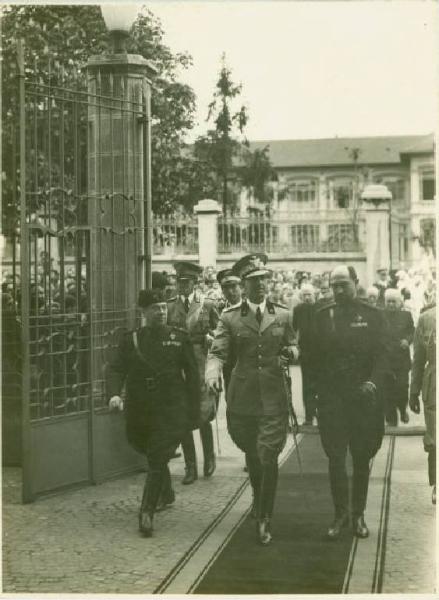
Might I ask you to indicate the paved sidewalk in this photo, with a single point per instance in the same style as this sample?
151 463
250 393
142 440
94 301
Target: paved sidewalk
410 564
86 541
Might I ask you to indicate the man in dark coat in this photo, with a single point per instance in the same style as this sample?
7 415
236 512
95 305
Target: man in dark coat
158 367
350 362
257 400
199 317
401 330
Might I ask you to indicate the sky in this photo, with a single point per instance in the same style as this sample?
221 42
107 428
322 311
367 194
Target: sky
313 69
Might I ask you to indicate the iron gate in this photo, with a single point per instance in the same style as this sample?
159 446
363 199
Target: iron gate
80 261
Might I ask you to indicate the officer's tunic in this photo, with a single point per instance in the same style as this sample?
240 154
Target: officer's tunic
350 347
162 389
256 393
200 321
424 372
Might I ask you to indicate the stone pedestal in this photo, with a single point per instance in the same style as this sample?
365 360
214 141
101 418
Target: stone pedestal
207 212
376 199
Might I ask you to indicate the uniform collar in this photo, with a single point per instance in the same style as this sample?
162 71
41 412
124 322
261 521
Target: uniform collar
261 306
190 297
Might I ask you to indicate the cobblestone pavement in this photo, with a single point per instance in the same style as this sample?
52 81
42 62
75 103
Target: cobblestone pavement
86 541
411 537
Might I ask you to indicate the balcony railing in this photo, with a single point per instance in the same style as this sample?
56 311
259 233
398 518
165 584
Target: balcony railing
174 235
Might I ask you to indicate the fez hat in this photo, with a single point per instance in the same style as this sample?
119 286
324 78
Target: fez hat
151 296
344 273
227 276
251 265
187 270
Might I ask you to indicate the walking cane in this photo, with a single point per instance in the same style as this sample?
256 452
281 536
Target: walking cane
292 414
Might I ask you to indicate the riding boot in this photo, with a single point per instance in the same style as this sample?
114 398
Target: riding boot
432 465
360 484
206 435
338 480
190 458
167 494
151 493
268 492
255 475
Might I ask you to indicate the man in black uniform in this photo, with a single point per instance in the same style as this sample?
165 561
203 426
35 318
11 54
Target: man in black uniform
350 363
157 364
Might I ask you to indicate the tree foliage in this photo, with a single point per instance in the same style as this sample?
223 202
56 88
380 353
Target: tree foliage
223 142
59 39
257 173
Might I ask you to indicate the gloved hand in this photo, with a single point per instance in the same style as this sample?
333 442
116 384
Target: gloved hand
213 384
207 407
414 403
116 403
368 387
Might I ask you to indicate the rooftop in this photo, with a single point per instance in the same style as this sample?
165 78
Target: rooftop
336 151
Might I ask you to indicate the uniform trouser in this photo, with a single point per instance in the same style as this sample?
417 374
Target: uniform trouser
308 392
396 394
262 438
432 465
348 421
188 445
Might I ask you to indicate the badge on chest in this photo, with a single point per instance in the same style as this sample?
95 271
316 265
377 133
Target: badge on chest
358 322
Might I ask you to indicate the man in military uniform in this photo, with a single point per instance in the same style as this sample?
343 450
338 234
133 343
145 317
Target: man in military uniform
349 360
231 288
257 412
158 367
199 318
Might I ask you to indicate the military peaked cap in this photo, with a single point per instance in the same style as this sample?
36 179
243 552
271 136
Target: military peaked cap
227 276
187 270
251 265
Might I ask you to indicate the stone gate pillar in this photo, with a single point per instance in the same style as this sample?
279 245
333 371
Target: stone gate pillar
207 212
376 201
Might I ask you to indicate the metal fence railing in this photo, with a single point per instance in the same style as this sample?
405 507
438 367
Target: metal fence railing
331 231
175 234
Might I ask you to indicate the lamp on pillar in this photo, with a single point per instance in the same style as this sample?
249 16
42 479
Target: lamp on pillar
376 200
119 173
119 19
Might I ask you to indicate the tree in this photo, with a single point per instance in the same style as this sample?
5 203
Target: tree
257 173
218 148
64 37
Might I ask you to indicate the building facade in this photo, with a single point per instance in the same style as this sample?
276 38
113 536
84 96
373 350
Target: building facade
318 192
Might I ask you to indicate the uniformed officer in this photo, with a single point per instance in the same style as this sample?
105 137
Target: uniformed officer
231 288
424 382
158 367
257 411
199 317
349 359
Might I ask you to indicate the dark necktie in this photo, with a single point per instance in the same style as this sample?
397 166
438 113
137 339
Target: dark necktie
258 315
186 304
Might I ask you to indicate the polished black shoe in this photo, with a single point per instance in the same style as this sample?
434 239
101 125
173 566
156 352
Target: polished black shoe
359 527
145 524
209 466
334 530
191 474
405 417
165 501
263 531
